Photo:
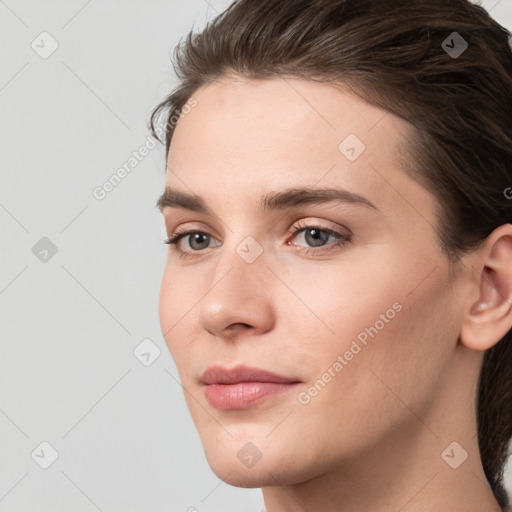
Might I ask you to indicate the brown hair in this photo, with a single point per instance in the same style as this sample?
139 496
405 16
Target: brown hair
396 55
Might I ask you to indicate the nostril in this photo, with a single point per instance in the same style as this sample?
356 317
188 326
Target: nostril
242 324
239 326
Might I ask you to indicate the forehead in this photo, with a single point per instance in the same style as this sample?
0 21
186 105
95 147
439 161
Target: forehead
254 136
287 109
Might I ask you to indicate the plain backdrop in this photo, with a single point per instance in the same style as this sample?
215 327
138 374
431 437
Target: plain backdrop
92 415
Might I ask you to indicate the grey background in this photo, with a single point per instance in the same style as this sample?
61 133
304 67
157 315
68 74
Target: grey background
70 321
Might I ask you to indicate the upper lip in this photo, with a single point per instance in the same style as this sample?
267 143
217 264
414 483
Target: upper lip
218 375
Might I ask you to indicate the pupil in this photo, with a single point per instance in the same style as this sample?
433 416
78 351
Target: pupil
196 238
315 239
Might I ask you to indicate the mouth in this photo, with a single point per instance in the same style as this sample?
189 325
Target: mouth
243 386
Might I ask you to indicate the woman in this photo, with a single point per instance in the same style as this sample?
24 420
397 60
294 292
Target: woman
338 290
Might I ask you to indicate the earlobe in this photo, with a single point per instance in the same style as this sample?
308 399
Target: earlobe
489 318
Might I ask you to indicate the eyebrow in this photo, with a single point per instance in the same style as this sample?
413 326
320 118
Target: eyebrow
288 198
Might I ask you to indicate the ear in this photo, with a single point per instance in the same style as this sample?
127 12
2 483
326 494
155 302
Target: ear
489 318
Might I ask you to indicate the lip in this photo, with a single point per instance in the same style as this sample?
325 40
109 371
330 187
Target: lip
242 386
219 375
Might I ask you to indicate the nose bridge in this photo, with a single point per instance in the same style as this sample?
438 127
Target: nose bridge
241 265
238 290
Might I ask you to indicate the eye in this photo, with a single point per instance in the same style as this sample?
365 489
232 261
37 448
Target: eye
196 242
316 236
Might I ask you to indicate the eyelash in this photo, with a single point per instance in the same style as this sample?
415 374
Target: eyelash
342 240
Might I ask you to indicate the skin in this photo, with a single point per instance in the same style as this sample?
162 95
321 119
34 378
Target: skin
372 439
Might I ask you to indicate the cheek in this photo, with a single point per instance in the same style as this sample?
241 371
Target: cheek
390 328
334 303
166 304
175 311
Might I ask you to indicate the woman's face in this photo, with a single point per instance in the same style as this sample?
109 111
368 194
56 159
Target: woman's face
359 309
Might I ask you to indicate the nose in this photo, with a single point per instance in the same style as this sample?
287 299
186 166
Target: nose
239 300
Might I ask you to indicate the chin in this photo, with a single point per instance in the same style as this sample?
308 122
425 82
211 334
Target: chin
273 468
246 479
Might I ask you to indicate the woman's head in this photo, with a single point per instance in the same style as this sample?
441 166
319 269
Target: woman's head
394 332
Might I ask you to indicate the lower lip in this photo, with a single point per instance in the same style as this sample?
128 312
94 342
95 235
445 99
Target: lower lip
243 394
